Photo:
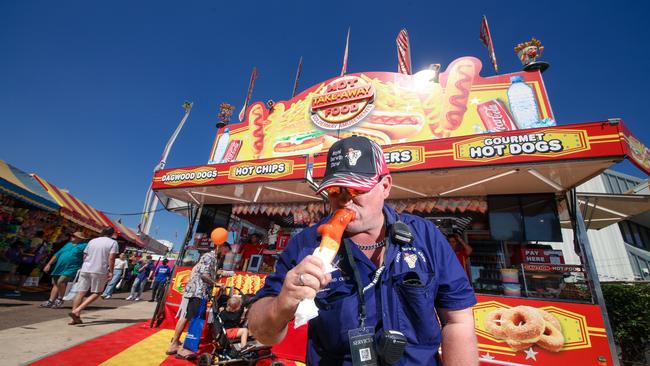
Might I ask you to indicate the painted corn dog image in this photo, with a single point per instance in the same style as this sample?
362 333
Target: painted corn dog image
331 233
454 104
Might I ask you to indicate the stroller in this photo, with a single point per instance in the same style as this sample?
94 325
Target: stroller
225 351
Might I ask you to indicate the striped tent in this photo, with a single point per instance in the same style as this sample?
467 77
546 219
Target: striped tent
128 234
75 209
22 186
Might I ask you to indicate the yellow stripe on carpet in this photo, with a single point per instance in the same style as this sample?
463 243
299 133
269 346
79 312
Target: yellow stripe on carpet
149 351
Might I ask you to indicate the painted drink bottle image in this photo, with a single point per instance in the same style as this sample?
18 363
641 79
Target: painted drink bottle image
222 145
523 105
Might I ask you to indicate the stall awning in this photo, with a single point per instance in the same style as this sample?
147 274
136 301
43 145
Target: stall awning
74 209
24 187
128 234
600 210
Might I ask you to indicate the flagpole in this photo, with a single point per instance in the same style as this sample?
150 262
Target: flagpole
344 69
295 82
249 93
151 200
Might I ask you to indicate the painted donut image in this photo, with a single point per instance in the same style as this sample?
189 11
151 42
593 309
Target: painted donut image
551 339
494 322
524 326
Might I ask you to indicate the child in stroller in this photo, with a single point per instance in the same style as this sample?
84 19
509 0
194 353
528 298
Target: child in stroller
231 339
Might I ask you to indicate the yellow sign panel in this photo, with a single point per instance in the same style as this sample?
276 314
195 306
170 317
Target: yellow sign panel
540 143
269 169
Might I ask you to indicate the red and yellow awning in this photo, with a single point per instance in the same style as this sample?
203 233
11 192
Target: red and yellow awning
75 209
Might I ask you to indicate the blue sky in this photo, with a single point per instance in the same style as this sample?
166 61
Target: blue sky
90 92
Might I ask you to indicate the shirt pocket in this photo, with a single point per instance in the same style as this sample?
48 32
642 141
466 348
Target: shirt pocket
416 309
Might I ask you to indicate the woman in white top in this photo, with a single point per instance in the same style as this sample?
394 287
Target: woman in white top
119 270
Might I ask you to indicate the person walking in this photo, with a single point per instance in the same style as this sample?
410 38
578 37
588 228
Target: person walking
162 274
119 272
141 280
96 270
67 261
31 256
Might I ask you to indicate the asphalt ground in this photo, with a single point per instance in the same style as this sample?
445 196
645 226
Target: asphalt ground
24 310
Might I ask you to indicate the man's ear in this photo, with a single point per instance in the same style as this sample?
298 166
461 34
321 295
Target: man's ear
387 183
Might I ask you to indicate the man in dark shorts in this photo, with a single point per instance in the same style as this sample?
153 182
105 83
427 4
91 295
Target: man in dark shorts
203 277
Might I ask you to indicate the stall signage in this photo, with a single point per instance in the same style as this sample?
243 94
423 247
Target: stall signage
389 108
562 268
403 156
194 176
268 169
542 256
580 337
549 143
342 103
639 153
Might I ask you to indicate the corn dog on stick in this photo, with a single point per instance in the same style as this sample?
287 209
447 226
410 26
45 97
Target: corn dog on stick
331 234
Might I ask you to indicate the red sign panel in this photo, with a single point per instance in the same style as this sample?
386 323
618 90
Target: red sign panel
560 143
287 168
578 336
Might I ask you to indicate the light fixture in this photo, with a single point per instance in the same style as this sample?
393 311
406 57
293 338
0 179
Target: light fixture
293 193
541 177
257 194
409 190
221 196
480 181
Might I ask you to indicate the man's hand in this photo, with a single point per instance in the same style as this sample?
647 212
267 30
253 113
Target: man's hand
302 282
110 274
46 268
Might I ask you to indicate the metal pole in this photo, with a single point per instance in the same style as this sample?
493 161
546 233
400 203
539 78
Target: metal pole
158 315
151 200
582 241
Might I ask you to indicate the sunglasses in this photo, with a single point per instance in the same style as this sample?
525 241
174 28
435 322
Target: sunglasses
338 190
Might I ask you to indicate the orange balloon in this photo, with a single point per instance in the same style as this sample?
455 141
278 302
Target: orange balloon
219 236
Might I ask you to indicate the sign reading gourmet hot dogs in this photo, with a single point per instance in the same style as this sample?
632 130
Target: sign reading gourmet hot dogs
268 169
555 142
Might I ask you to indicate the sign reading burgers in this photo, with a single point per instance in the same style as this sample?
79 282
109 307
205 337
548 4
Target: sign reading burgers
342 103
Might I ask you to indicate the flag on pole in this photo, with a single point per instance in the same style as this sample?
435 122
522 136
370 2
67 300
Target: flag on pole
403 53
242 114
295 83
486 38
344 69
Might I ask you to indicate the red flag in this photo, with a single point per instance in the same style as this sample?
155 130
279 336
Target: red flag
486 38
344 69
242 114
295 83
403 53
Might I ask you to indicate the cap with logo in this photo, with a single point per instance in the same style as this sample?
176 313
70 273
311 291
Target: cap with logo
354 162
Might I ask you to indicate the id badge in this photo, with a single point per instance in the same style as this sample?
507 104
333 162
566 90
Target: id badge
362 347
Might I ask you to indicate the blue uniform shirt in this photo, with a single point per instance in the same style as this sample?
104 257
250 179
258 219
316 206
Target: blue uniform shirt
393 303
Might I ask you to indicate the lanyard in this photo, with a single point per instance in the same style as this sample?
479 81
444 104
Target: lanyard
357 279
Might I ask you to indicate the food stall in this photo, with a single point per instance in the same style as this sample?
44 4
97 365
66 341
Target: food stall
482 157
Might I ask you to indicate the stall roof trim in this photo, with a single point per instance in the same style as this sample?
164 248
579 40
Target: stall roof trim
24 187
553 160
75 209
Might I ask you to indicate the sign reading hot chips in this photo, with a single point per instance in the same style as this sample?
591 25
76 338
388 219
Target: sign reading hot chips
390 108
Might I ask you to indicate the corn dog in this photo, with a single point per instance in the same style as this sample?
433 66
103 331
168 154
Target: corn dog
331 233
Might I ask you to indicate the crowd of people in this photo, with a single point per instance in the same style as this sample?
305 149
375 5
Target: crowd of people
84 267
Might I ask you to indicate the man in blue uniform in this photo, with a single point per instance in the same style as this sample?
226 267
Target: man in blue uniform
413 287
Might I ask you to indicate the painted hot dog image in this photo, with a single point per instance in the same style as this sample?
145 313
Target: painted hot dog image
299 144
456 96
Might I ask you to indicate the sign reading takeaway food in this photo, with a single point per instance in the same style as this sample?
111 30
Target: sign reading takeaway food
392 108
